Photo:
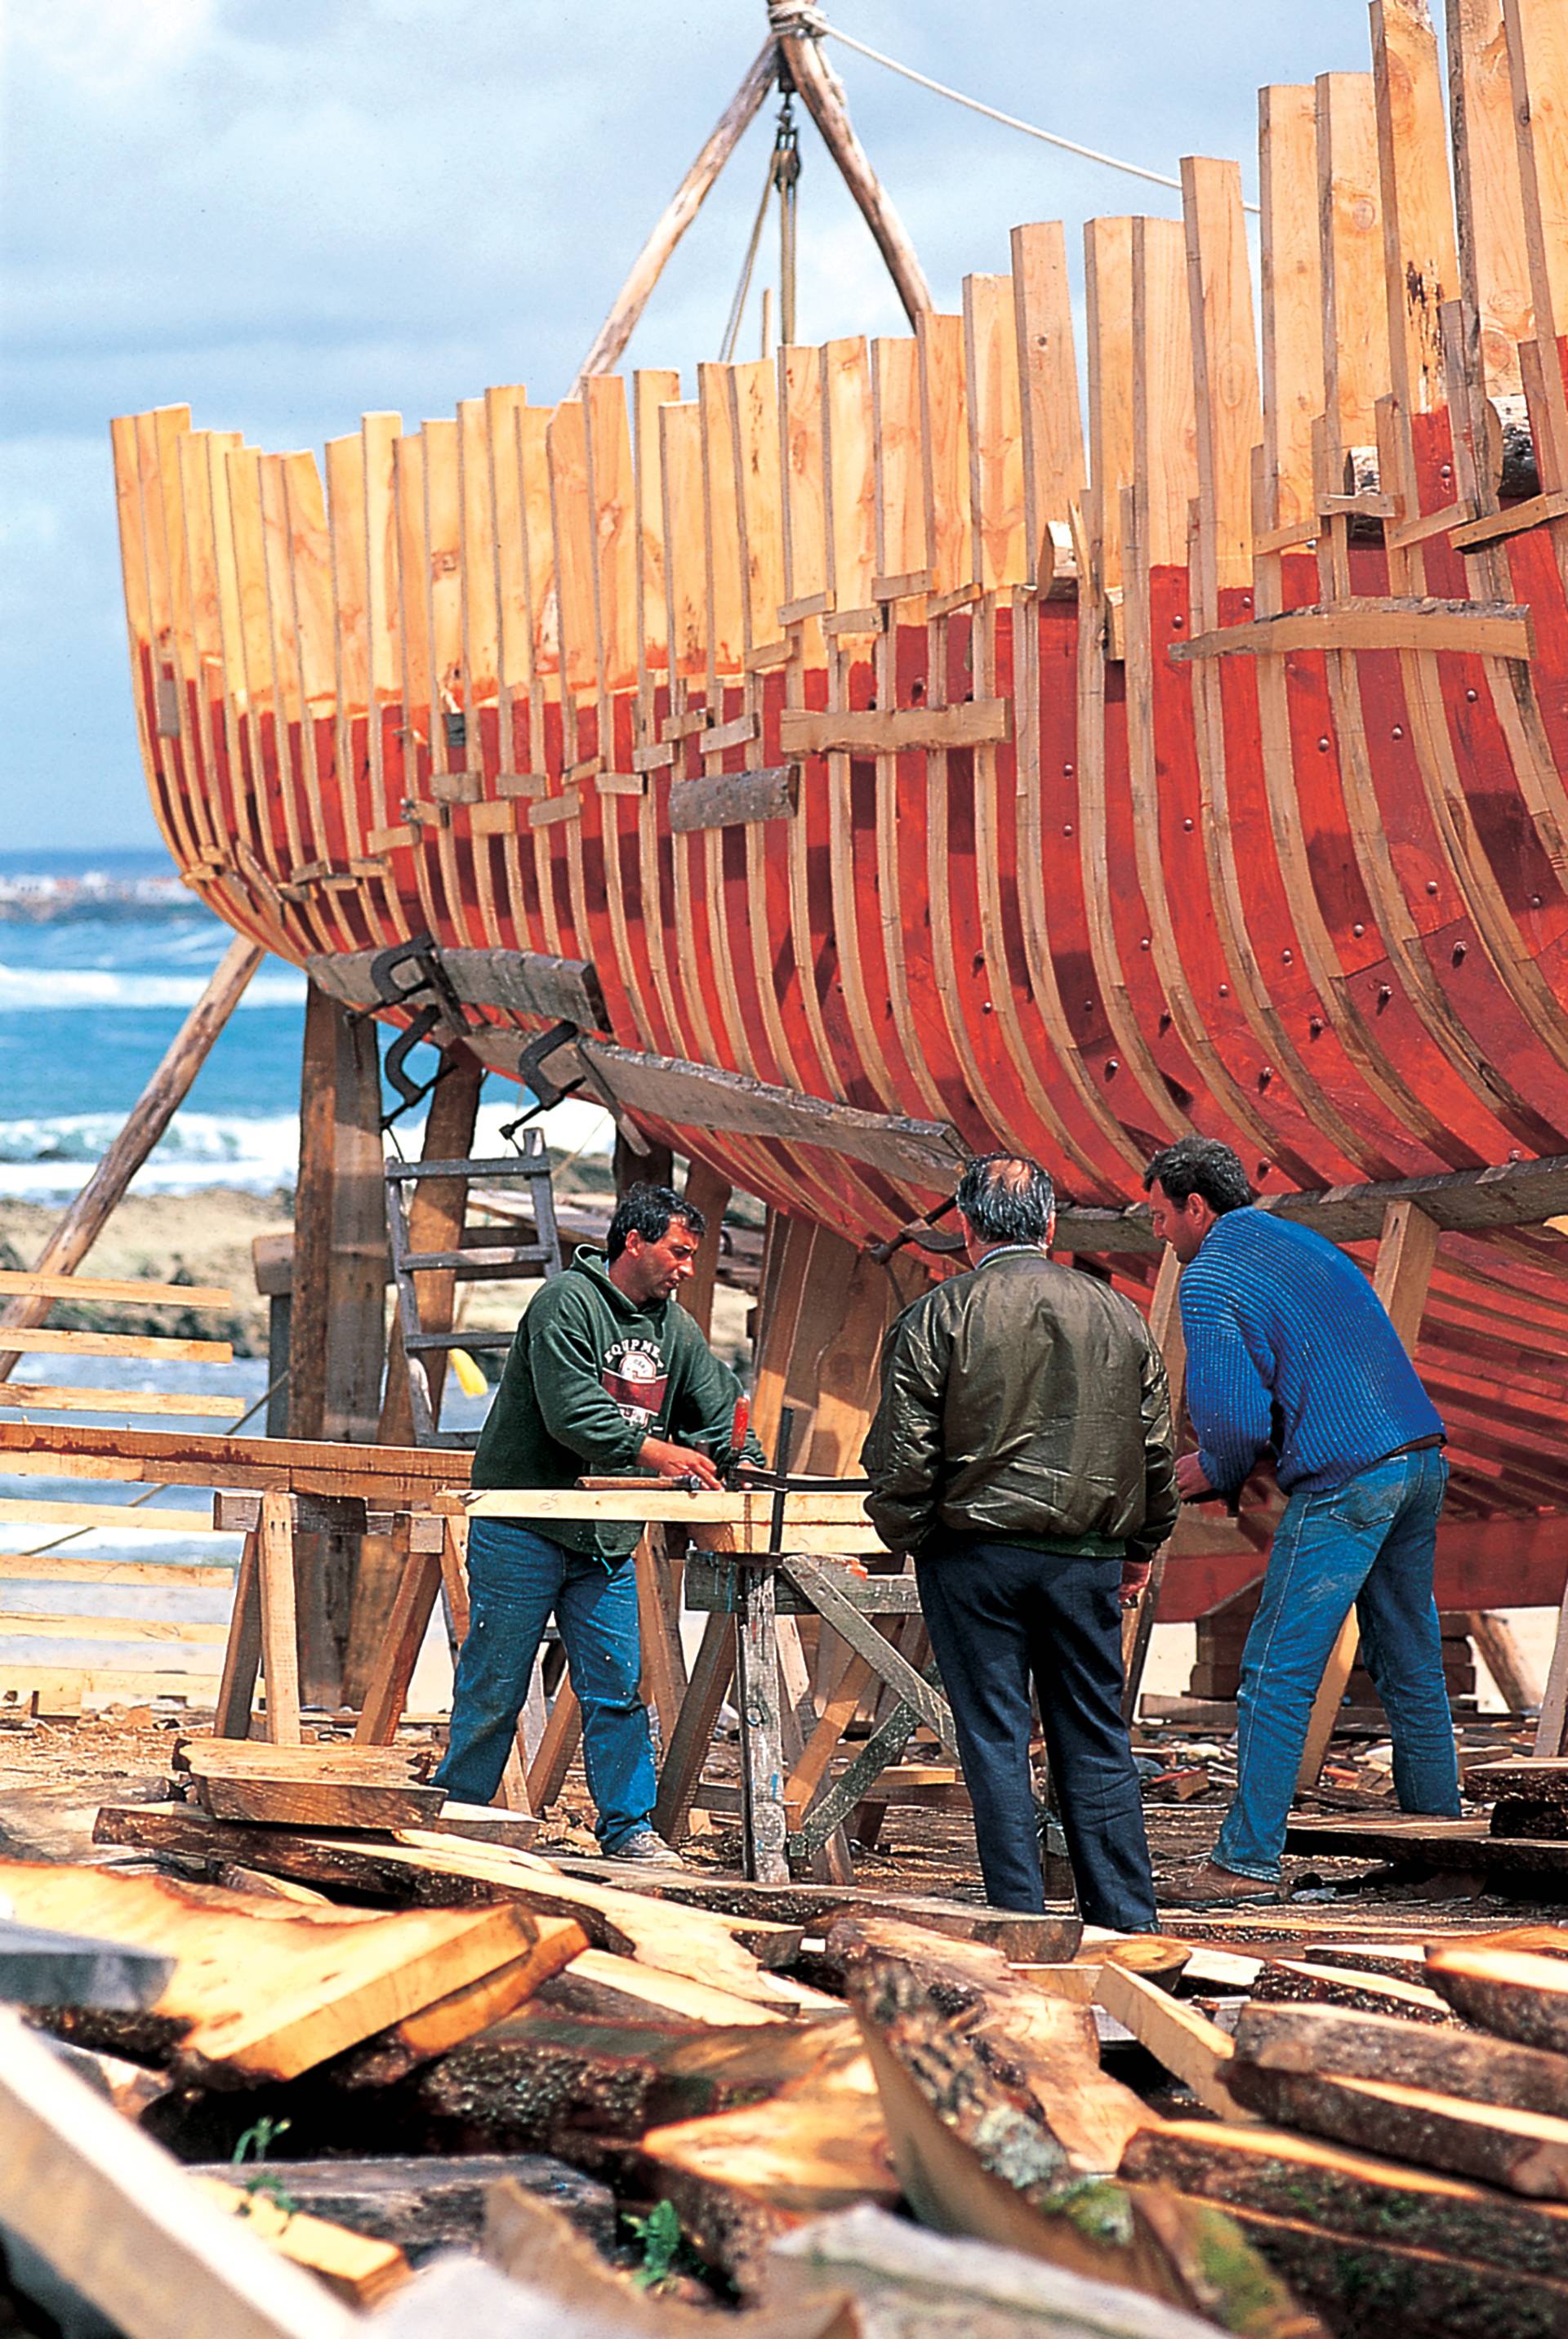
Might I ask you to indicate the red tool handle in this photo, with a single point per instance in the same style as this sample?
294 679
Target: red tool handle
739 1424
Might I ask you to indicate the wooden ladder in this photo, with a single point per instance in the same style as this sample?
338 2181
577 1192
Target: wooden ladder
474 1256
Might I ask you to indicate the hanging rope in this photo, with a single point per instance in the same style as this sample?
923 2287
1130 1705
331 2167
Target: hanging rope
817 26
782 174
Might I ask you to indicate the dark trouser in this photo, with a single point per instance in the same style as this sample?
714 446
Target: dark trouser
997 1613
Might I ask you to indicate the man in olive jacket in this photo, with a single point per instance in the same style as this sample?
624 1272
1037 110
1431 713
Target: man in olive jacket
1022 1452
607 1374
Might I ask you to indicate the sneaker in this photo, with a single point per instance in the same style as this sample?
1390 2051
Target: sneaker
644 1849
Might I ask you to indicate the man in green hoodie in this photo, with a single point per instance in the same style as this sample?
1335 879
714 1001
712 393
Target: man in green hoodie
607 1375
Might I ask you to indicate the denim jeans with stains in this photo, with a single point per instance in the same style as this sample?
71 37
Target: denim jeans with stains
1367 1545
517 1579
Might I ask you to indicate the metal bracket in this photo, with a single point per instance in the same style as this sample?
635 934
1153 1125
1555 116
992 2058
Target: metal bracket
441 1008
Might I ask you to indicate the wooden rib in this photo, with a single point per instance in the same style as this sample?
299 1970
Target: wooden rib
1294 383
612 497
1293 392
1348 347
1418 238
443 574
533 425
206 647
481 629
379 434
900 550
572 527
680 464
1354 312
415 736
157 436
759 533
288 699
1051 420
998 554
1494 260
849 515
725 627
651 391
804 544
351 705
1229 424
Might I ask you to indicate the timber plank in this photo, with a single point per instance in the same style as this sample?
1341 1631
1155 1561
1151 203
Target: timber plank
1517 1995
1298 1980
360 2272
1524 2152
1351 2193
266 1989
1373 2289
1379 2047
316 1802
1195 2049
430 2203
1022 1937
442 1872
391 1474
110 1287
1542 1779
1475 629
116 2216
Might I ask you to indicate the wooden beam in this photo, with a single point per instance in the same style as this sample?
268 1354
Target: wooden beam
926 1154
116 2216
339 1229
145 1123
823 94
677 216
1473 628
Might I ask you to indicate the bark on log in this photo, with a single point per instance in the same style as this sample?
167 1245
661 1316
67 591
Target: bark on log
1373 2047
1525 2152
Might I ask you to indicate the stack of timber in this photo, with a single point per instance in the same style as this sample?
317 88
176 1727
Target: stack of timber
162 1633
1521 1844
1387 2124
874 757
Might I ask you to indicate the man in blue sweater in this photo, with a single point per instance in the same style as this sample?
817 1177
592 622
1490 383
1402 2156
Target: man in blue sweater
1290 1352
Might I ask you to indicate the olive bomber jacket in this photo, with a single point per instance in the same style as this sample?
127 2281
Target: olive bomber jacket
1025 1402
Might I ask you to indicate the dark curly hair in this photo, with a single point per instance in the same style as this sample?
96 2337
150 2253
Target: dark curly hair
1201 1165
1006 1197
648 1210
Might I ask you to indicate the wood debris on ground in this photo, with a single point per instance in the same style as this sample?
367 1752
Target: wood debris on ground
651 2100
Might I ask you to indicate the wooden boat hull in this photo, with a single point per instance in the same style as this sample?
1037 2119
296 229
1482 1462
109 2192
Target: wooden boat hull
913 778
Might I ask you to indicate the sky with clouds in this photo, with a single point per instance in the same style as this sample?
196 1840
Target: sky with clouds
286 211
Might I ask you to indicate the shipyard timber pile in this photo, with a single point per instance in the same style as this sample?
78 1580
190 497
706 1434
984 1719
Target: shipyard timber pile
871 757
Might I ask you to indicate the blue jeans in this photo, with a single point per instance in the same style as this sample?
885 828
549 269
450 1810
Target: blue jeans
516 1579
1367 1545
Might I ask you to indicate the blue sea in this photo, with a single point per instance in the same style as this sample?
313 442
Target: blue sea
102 956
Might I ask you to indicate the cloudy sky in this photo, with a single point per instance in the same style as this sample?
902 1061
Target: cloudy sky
285 212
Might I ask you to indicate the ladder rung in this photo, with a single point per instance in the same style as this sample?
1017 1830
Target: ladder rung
415 1340
397 1172
515 1255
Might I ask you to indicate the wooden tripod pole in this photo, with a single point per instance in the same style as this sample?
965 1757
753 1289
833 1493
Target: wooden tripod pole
677 216
825 99
147 1119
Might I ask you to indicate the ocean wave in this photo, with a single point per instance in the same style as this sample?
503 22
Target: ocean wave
53 1154
27 990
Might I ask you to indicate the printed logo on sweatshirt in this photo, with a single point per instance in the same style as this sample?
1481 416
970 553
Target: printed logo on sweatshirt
635 1380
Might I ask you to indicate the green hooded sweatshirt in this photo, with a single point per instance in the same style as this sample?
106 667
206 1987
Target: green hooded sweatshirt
588 1377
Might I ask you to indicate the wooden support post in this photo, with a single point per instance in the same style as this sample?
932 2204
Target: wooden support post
763 1822
387 1692
663 1674
1405 1251
825 99
337 1336
279 1620
711 1193
677 216
339 1229
144 1124
1137 1623
711 1674
1505 1660
242 1653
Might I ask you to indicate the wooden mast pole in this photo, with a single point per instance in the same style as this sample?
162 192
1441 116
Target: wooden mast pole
799 34
144 1124
677 216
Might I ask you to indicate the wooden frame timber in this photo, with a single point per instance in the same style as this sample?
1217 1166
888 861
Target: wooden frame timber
1194 760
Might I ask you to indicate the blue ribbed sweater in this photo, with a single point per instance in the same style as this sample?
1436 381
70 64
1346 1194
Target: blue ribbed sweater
1288 1347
